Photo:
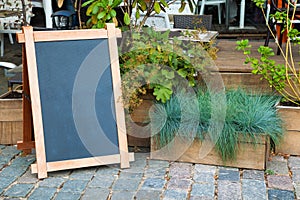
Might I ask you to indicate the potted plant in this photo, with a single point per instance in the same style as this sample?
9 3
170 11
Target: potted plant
283 78
234 132
152 65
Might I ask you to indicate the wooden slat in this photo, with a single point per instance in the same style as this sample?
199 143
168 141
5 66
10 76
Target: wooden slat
27 112
116 79
10 104
10 132
290 143
21 145
291 118
36 102
84 162
8 115
248 156
63 35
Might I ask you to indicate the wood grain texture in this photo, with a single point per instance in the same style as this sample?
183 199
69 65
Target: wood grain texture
10 132
62 35
25 145
248 155
36 102
116 78
85 162
290 144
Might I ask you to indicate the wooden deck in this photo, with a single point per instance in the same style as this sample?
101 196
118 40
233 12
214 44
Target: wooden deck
235 73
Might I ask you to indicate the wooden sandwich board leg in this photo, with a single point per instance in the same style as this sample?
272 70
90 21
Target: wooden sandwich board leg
35 101
120 117
28 142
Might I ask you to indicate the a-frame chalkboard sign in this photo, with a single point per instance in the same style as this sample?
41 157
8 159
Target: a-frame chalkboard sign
75 93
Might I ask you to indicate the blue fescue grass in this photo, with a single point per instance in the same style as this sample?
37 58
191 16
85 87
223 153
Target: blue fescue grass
224 120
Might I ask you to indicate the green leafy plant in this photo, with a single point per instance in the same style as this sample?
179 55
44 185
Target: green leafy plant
269 172
154 61
101 12
284 78
248 116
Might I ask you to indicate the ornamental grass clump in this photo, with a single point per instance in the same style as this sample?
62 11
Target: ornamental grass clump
248 117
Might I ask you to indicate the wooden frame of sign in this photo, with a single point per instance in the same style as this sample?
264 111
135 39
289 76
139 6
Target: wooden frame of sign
54 137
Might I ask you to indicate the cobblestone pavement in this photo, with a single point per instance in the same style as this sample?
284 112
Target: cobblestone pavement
149 179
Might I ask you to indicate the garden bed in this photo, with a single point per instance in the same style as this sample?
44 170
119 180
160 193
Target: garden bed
249 155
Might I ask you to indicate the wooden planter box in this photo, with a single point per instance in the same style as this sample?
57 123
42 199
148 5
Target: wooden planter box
137 132
290 144
11 121
250 156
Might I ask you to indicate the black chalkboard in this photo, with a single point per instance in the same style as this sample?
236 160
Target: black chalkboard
74 79
59 65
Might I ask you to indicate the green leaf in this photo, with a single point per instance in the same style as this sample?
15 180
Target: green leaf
162 94
101 15
157 7
164 3
113 13
182 72
126 18
168 74
87 3
95 10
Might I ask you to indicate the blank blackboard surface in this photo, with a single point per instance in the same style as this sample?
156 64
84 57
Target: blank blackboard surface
74 81
59 64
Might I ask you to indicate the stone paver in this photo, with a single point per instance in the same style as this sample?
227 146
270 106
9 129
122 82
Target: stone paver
55 182
281 182
175 195
203 190
154 184
28 177
19 190
95 193
279 167
5 182
274 194
42 193
126 184
179 184
149 180
296 175
74 186
253 189
297 190
294 162
229 190
229 175
253 174
104 182
122 195
67 196
148 195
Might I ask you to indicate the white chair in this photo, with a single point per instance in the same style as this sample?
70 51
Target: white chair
7 66
159 21
173 9
213 3
11 19
47 6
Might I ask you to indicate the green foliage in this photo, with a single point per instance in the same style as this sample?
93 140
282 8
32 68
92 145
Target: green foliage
248 116
274 73
153 61
269 172
282 77
101 12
